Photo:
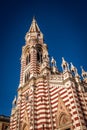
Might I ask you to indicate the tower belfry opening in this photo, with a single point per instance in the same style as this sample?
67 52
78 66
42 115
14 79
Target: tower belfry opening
48 99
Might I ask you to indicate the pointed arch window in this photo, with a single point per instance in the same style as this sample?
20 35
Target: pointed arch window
39 56
27 75
27 59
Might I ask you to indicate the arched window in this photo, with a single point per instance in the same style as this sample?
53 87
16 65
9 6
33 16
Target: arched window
28 59
27 75
39 56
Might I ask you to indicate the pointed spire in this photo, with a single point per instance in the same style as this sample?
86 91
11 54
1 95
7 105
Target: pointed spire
34 27
34 32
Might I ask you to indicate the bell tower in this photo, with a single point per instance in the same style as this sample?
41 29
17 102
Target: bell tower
47 98
34 56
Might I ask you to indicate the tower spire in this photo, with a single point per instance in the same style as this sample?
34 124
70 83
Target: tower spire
34 26
34 32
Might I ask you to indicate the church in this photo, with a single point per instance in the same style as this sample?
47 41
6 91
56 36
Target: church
48 99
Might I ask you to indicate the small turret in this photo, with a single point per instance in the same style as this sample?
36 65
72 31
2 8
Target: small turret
54 66
75 72
65 65
53 62
73 69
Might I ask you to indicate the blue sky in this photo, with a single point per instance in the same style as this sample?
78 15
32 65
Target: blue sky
64 25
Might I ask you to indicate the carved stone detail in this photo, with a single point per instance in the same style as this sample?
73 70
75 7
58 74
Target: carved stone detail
63 117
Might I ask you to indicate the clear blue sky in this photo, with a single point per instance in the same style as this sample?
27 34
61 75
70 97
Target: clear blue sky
64 25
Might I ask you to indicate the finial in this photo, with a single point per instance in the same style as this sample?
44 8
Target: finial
54 67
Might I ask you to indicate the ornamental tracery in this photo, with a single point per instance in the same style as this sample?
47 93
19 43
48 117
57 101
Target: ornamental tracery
63 118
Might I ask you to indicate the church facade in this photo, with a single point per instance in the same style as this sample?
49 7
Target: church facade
48 99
